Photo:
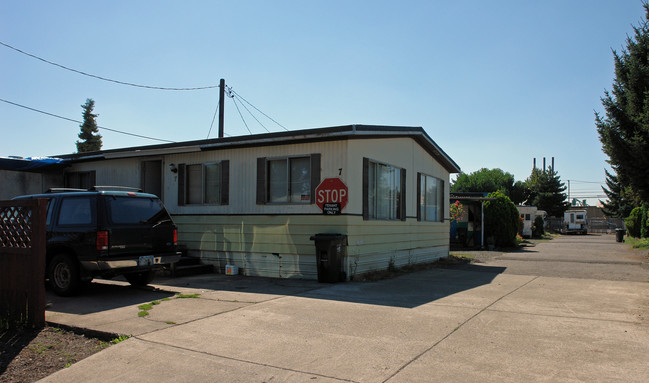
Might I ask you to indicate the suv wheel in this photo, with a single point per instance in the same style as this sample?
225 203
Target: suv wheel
141 278
63 272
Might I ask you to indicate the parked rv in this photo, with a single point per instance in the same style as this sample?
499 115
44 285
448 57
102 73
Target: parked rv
575 221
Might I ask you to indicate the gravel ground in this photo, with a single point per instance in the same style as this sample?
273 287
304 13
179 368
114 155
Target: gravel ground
28 355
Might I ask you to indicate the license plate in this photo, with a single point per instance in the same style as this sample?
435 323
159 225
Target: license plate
146 260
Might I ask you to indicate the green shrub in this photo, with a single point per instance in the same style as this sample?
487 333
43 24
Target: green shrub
501 220
538 230
644 229
633 222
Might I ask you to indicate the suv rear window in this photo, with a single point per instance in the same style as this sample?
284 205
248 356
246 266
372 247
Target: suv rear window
76 211
129 210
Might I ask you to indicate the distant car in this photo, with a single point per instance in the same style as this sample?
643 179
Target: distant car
105 232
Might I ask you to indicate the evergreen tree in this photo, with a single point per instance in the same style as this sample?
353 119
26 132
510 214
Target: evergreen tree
624 131
90 139
618 204
547 192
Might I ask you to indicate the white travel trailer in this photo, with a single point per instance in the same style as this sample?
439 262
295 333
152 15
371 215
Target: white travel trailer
575 221
528 214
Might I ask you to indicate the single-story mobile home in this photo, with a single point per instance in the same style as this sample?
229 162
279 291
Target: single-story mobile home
251 201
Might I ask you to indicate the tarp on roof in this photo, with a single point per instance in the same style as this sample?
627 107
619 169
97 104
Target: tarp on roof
33 164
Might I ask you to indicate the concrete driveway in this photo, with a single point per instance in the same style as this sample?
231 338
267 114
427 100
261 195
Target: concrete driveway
548 313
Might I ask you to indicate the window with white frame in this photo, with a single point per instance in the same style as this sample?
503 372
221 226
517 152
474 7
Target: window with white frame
384 190
203 184
431 198
289 180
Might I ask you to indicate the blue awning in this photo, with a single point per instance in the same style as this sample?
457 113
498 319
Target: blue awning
31 164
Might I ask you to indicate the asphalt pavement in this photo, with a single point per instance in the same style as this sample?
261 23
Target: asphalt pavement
573 309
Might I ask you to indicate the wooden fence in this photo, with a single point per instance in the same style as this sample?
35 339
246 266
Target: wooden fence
22 263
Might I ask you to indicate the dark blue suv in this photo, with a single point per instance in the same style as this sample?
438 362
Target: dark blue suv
103 232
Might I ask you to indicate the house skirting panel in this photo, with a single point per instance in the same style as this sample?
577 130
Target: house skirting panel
280 246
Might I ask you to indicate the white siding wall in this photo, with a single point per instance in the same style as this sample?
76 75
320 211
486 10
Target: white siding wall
374 244
243 177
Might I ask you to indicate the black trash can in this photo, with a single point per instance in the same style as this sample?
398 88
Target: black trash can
331 250
619 234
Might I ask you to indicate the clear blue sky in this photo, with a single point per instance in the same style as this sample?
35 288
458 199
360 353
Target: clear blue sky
494 83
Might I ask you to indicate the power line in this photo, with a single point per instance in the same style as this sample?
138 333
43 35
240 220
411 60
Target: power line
80 122
587 182
253 116
213 118
257 109
104 78
242 119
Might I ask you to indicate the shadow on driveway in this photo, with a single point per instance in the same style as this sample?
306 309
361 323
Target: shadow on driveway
407 290
414 289
102 295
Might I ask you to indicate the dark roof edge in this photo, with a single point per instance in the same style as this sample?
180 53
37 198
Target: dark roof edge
277 138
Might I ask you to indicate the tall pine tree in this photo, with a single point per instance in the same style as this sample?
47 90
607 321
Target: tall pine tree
619 204
547 192
624 131
90 139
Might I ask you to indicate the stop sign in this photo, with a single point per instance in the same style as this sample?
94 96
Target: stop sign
331 191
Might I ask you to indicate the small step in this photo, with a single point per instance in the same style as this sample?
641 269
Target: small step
187 266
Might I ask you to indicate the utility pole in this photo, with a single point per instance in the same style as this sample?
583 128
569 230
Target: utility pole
221 107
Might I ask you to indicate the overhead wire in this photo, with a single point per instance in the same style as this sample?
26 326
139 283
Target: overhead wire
80 122
257 109
104 78
213 118
231 94
587 182
253 116
241 115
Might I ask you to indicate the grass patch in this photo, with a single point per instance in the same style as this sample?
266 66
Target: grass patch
119 339
40 348
182 296
637 243
146 307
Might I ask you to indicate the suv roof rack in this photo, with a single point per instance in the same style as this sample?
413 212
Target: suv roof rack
115 188
64 190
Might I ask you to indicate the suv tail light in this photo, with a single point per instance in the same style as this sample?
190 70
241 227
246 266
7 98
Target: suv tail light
175 237
102 240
